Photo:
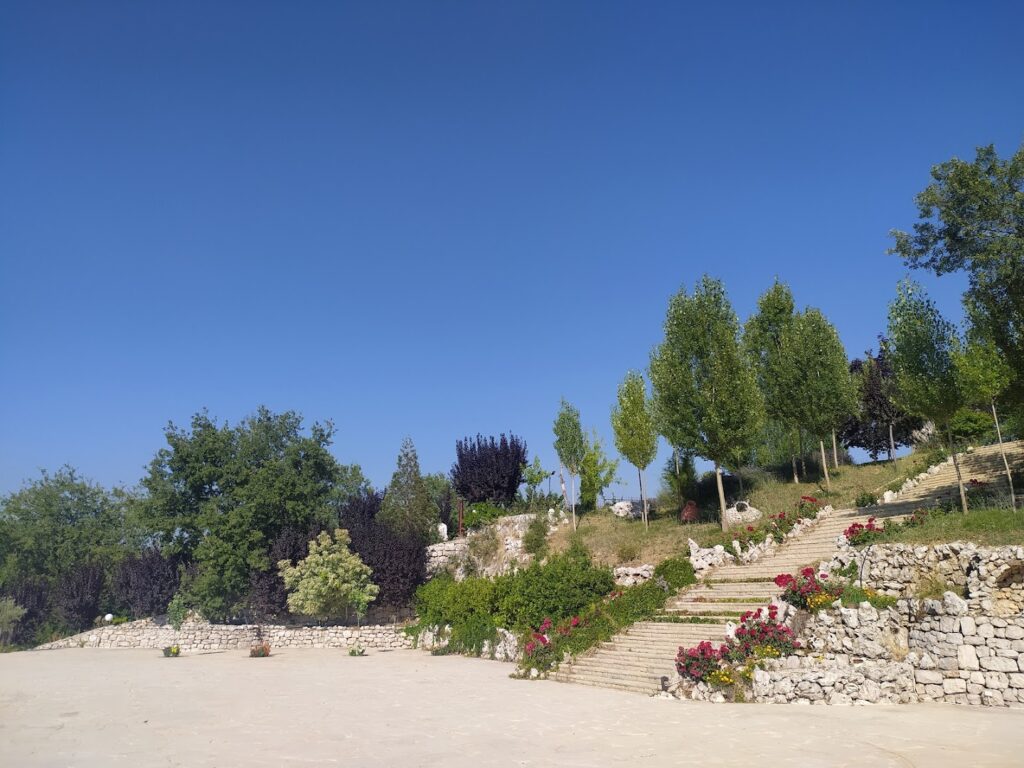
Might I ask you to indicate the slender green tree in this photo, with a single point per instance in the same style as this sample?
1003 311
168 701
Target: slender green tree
763 334
597 472
408 508
811 376
571 447
705 393
636 437
983 376
971 219
922 345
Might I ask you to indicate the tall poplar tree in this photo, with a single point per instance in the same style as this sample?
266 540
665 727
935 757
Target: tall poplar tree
635 435
762 341
922 345
571 447
810 373
983 375
705 393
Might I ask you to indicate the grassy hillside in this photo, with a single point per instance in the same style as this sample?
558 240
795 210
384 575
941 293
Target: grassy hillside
614 541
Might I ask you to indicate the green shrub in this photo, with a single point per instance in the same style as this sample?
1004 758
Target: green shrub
676 571
627 551
480 514
465 606
535 540
10 615
177 610
563 586
484 545
853 595
865 499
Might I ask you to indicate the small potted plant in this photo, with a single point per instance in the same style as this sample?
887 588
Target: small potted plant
259 650
357 650
172 651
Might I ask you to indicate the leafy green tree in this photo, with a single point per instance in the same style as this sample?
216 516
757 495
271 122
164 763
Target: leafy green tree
408 509
597 472
350 484
811 376
922 344
982 376
971 219
571 447
534 474
705 394
762 342
330 581
218 496
58 521
636 437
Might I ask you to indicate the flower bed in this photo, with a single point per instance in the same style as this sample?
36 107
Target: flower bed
809 589
864 533
731 665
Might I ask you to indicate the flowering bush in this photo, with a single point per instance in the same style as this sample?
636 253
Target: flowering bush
808 507
797 590
759 631
759 636
172 651
699 662
860 533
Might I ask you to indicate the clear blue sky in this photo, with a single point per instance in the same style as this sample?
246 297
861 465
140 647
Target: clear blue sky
436 219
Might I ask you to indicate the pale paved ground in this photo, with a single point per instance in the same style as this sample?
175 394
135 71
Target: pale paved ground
320 707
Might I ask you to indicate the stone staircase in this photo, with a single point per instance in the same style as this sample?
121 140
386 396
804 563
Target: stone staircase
638 658
984 464
641 657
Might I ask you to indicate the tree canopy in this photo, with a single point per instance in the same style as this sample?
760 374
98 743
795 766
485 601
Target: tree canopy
408 508
636 437
330 581
705 394
971 219
923 344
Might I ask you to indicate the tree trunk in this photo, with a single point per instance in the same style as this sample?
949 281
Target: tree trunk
572 485
803 459
643 498
824 466
956 466
1002 452
721 496
792 456
892 444
835 451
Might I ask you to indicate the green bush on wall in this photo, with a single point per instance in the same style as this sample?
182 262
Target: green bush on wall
676 571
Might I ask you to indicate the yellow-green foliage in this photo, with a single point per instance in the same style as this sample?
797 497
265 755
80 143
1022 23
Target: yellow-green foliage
330 581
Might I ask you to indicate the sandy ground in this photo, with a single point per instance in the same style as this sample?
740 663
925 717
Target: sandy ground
85 707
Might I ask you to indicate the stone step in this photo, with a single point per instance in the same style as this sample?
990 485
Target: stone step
634 666
601 682
685 631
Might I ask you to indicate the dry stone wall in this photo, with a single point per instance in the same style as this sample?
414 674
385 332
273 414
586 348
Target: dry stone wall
953 650
203 636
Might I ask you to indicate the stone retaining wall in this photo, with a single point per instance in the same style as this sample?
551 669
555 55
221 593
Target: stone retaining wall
991 577
954 650
202 636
